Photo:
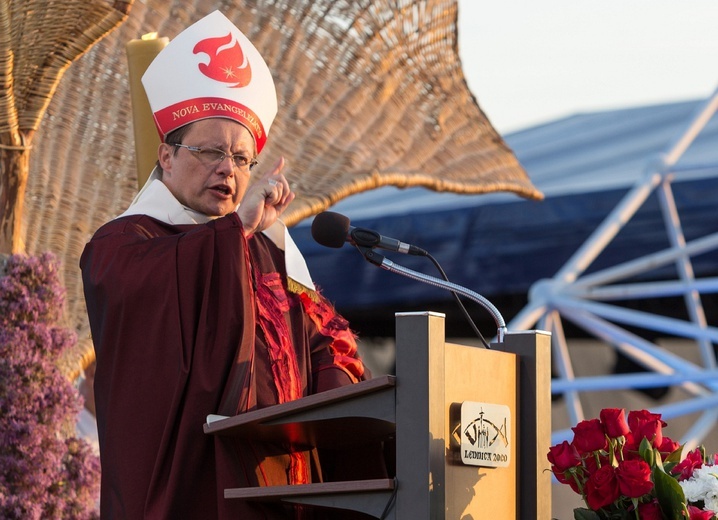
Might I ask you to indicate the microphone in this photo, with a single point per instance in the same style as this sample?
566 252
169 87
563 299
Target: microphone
333 230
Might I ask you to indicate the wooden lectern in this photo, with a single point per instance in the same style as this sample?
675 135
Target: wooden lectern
424 411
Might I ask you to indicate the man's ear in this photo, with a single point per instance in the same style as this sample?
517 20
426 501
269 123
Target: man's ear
164 154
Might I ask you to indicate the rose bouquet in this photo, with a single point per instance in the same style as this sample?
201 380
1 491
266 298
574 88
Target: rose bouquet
627 469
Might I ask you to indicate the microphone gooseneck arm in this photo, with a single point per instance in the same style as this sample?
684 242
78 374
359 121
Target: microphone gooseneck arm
379 260
459 303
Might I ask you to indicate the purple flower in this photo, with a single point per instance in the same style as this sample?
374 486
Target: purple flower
43 472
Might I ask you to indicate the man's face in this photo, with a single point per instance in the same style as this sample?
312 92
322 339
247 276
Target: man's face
214 190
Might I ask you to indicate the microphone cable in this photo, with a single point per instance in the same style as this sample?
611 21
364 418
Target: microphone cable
458 300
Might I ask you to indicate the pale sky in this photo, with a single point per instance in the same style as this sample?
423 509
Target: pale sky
532 61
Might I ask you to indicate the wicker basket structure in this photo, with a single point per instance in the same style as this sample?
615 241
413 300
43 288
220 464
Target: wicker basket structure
371 93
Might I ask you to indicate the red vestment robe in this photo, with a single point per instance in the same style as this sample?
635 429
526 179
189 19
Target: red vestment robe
191 320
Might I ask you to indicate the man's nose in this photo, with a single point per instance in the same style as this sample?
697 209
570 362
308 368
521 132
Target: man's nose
226 166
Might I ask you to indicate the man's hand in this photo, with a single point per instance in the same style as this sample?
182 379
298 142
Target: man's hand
265 200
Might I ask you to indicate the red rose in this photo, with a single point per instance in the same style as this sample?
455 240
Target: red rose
569 477
589 436
650 511
614 422
592 464
695 513
630 448
645 424
602 488
634 478
668 446
685 468
563 456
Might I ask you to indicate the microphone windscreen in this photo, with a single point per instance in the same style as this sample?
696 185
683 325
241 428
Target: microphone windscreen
330 229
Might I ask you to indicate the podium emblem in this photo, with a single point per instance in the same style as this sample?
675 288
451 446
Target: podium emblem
485 429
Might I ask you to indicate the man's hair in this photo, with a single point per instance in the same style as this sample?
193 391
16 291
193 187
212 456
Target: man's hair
174 137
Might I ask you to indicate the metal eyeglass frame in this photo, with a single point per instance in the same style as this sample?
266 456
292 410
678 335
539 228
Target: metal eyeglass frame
199 150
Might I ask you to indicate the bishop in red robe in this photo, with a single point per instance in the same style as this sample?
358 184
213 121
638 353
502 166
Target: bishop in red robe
200 305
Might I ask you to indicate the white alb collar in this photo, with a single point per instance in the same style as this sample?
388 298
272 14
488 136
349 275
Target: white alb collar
155 200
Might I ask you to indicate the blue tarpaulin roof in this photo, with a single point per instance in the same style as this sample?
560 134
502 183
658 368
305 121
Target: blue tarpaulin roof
500 244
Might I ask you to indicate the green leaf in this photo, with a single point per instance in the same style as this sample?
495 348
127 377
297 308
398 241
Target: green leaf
674 457
645 450
670 495
581 513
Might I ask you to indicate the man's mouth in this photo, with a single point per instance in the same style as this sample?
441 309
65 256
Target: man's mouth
224 190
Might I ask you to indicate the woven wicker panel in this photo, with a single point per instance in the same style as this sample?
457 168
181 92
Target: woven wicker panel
38 42
370 94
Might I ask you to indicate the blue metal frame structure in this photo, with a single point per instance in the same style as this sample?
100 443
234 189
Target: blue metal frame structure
592 301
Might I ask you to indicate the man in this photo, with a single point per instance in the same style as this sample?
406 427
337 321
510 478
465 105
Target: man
199 306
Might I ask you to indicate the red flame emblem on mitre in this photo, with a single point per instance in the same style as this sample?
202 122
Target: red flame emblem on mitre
227 62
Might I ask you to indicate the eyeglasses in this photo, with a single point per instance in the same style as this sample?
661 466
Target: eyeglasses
212 157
